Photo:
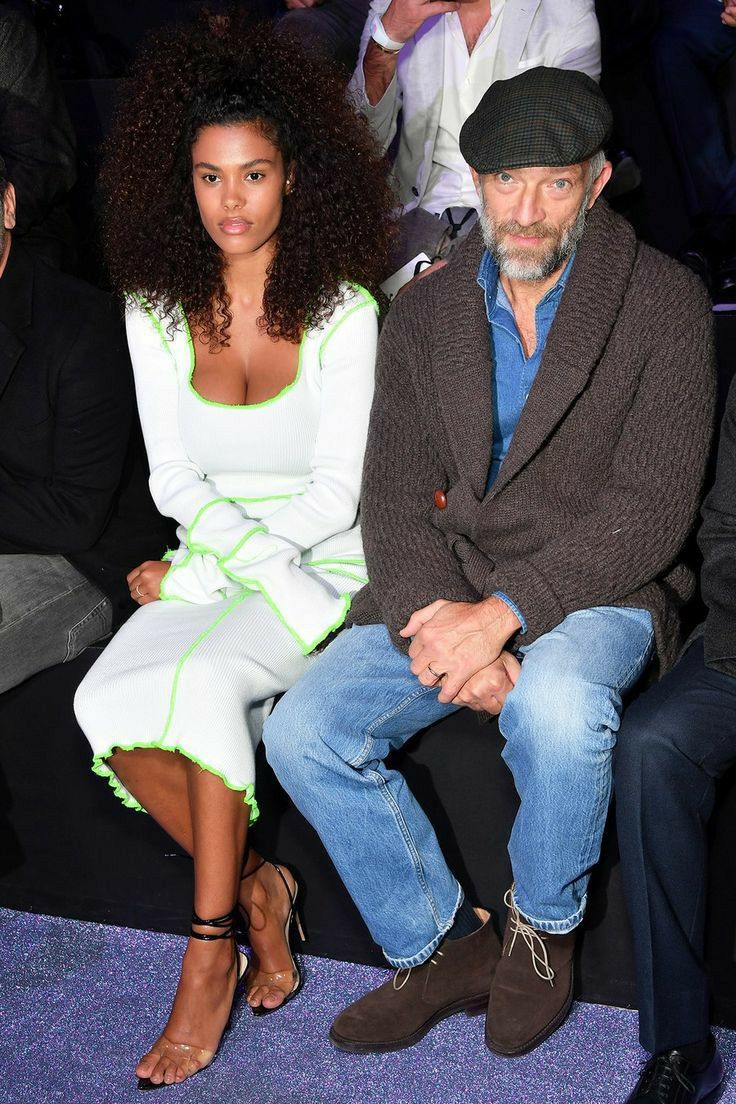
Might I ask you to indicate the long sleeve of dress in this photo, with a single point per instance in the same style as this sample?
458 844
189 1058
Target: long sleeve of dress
226 550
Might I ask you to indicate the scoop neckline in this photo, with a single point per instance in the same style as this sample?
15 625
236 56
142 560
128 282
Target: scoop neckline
237 406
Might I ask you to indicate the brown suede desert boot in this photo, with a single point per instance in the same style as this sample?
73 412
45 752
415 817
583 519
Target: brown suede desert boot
532 987
457 978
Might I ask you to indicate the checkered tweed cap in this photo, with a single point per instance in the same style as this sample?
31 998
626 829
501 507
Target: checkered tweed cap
539 117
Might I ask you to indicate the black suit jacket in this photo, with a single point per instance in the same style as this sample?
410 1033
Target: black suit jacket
72 477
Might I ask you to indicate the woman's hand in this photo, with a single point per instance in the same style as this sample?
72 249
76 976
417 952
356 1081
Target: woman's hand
144 582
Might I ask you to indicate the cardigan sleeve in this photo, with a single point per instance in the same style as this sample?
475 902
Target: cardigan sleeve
228 551
409 561
639 525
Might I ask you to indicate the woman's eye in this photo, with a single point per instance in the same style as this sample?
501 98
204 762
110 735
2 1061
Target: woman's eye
255 176
210 178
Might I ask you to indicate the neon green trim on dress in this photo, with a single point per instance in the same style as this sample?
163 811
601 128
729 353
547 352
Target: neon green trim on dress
100 768
370 301
192 544
256 584
355 561
144 304
237 406
115 782
346 574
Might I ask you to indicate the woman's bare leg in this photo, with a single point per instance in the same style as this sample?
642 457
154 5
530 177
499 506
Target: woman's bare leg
160 782
219 825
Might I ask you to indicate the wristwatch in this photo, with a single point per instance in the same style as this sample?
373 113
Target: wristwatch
382 40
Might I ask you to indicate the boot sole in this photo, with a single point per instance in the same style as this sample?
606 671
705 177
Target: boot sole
473 1006
540 1037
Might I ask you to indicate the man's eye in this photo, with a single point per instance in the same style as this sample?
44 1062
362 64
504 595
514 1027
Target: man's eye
560 185
504 177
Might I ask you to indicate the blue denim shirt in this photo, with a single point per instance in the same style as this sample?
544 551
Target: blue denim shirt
513 373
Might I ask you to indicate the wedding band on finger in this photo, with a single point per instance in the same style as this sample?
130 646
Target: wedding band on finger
138 591
436 675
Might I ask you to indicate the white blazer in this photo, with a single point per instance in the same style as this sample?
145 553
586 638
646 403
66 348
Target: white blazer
562 34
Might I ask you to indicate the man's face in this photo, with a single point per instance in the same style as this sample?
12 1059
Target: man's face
533 218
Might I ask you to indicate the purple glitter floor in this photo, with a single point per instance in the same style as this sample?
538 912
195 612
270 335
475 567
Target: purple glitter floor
80 1002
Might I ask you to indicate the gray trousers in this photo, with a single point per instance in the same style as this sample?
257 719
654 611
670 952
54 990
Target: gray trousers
49 613
436 235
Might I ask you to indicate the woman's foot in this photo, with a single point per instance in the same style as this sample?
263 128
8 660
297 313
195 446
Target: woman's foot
200 1013
273 975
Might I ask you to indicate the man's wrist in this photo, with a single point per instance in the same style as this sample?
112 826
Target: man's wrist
382 37
513 607
501 617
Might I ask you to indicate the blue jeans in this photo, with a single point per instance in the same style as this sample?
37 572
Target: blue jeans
329 736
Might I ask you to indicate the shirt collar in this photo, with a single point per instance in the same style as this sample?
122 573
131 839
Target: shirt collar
493 291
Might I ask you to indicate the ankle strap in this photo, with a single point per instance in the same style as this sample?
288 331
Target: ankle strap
255 869
227 922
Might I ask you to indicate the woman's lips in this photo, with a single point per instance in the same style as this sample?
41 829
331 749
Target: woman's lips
235 226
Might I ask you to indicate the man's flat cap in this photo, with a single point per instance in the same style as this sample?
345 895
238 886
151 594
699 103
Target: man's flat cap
539 117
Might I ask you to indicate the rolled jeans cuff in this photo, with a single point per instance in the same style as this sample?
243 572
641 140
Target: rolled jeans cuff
427 951
553 927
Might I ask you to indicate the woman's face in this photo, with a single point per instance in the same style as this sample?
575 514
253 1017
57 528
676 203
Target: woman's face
239 183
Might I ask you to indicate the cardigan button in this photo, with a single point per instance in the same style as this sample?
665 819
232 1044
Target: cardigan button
440 500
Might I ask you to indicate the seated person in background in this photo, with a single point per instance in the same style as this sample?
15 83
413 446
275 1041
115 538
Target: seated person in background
431 61
331 26
691 49
36 138
674 743
529 483
66 407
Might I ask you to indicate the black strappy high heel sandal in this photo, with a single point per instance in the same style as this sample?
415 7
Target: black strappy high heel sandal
293 921
185 1054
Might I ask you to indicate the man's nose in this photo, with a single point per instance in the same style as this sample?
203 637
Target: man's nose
528 210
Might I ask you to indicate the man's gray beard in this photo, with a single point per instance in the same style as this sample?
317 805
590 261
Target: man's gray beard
518 268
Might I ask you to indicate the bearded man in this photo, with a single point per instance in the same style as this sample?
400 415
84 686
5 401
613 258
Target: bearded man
534 466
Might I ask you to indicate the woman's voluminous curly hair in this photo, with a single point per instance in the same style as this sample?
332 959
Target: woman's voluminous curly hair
336 224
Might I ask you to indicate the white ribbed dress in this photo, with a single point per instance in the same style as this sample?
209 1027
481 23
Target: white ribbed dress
266 497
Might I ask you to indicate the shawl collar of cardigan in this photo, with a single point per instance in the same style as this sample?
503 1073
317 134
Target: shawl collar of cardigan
463 368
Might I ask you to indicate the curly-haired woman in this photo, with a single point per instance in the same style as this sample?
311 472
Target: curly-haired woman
246 207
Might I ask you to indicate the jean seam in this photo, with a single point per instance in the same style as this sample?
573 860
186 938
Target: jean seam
568 923
75 629
362 755
387 796
49 602
428 949
637 667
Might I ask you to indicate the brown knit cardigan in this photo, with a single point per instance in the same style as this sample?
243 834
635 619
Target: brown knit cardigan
602 481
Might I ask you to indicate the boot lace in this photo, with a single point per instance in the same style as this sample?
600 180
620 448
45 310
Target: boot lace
533 939
406 970
662 1074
